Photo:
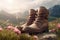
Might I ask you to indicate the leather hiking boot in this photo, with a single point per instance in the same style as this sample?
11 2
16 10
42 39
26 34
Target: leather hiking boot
31 18
40 24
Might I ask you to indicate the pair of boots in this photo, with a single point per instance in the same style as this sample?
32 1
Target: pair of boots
37 22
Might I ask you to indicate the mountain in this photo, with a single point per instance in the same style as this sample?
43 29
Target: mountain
55 11
6 16
12 18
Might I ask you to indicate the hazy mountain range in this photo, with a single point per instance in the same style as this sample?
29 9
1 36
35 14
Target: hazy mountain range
54 11
12 18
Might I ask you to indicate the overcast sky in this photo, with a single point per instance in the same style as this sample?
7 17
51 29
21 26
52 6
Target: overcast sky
14 6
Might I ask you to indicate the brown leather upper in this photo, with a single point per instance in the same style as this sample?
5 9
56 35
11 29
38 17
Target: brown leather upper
32 16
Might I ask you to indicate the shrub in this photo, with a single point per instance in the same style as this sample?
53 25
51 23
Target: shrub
11 35
25 37
8 35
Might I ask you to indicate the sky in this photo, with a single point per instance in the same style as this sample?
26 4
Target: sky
14 6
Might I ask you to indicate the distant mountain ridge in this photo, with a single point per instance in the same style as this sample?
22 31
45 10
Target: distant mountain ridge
6 16
55 11
12 18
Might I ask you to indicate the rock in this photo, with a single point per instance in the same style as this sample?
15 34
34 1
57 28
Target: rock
49 37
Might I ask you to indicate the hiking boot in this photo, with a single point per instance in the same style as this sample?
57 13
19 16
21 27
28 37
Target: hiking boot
40 24
31 19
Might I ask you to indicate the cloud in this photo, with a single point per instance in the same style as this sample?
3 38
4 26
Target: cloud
14 6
